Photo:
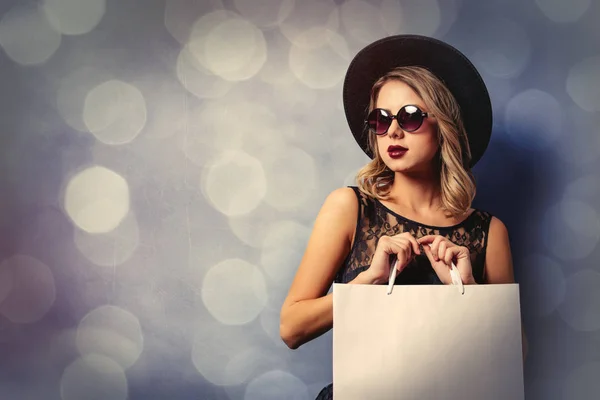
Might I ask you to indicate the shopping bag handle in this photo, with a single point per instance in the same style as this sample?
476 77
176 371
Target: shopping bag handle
454 274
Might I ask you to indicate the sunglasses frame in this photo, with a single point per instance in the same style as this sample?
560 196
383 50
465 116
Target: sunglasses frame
393 117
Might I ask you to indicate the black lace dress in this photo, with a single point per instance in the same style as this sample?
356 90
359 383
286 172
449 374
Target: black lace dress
376 220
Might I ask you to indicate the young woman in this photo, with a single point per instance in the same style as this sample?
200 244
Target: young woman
421 111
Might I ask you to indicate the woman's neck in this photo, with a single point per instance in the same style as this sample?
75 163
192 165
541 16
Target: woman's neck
416 193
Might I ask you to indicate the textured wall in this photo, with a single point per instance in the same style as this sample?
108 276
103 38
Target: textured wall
162 163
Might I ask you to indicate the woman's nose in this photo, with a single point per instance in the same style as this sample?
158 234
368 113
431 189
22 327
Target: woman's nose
395 130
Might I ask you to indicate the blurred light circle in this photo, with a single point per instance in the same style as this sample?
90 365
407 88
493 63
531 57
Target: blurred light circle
26 35
115 112
504 48
235 50
181 15
363 21
112 332
252 362
234 291
276 70
276 385
265 13
582 145
571 230
283 248
112 248
292 177
583 84
214 347
201 30
533 119
323 15
93 377
562 11
72 91
582 382
582 301
421 17
586 188
30 292
320 67
235 183
97 199
233 123
197 79
546 281
167 109
251 228
270 319
392 16
74 17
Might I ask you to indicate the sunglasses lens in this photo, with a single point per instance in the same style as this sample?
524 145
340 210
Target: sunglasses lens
410 118
379 121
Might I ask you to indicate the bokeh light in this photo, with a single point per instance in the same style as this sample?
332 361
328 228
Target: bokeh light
562 11
234 291
112 332
214 348
283 248
196 78
363 21
26 35
416 17
504 48
94 377
319 66
275 385
235 50
97 199
115 112
74 17
533 119
580 143
252 228
235 183
571 230
583 83
72 91
292 177
265 13
582 301
306 16
29 291
181 15
112 248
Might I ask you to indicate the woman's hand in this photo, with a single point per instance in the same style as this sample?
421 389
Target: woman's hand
404 246
442 253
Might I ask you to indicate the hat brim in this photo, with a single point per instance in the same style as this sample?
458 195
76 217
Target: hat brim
451 66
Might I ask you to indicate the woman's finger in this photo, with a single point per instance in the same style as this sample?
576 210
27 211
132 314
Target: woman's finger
413 241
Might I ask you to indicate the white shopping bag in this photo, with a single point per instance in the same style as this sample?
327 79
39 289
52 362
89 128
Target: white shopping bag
427 342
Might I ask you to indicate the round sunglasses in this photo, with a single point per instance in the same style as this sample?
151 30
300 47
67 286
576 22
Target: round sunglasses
410 118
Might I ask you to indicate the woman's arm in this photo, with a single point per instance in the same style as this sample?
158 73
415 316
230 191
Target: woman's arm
498 262
307 312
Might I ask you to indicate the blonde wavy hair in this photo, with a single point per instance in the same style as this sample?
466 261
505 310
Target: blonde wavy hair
457 183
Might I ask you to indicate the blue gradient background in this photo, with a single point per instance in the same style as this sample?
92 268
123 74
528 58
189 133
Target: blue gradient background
162 163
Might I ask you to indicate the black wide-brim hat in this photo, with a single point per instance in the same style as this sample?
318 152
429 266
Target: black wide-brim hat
451 66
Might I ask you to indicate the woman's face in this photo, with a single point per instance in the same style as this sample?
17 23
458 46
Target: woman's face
421 145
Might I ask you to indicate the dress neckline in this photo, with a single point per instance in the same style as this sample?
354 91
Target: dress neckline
425 225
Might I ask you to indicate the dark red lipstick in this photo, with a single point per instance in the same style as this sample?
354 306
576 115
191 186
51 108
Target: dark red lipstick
396 151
